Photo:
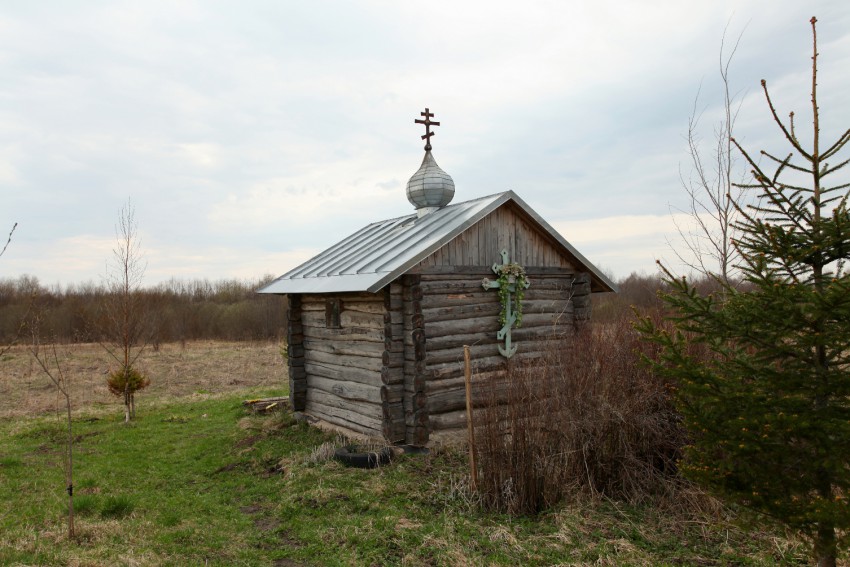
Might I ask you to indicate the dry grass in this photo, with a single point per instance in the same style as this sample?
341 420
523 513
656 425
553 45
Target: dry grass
203 367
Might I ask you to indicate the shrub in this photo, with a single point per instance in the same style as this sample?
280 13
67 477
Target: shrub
591 417
117 381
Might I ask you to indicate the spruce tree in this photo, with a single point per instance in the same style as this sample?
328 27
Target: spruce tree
761 369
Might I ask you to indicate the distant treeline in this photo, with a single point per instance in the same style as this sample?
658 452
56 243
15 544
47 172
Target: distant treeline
173 311
226 309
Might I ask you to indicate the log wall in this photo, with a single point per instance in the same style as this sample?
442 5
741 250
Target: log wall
456 310
352 374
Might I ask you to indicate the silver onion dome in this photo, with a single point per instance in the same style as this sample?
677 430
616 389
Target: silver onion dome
430 187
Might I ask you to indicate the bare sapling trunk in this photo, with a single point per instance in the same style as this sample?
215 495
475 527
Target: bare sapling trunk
52 367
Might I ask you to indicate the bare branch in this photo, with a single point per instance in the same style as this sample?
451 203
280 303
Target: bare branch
9 240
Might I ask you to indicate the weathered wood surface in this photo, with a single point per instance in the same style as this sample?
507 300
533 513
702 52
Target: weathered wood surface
508 227
370 362
348 318
368 414
344 334
337 372
295 358
346 389
344 348
343 417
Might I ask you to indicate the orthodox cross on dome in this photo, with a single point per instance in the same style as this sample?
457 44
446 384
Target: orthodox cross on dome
428 123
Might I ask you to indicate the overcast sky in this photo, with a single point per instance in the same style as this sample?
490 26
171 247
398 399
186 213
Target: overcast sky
251 135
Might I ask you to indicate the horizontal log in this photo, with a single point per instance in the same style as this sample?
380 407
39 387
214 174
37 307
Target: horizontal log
448 420
392 375
345 418
365 415
392 393
455 399
353 391
460 326
455 354
298 373
364 307
344 334
345 348
349 318
457 341
336 372
479 365
532 294
372 363
392 359
393 344
488 306
451 300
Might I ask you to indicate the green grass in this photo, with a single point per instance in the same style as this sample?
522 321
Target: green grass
203 483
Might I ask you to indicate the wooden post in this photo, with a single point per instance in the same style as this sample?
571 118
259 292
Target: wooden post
473 470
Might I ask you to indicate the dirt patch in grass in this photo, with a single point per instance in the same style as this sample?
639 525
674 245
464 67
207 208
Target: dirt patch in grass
200 368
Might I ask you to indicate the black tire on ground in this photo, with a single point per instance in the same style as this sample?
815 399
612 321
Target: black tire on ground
352 456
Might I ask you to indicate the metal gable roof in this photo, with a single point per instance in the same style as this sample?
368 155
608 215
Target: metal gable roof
377 254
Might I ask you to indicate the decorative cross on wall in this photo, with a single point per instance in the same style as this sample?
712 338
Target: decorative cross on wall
510 313
428 123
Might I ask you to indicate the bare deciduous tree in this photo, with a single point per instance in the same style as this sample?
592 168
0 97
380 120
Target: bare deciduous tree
710 189
124 311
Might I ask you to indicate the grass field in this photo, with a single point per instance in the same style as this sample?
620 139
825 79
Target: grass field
197 480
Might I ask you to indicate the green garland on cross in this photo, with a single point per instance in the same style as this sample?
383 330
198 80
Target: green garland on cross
511 282
508 287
